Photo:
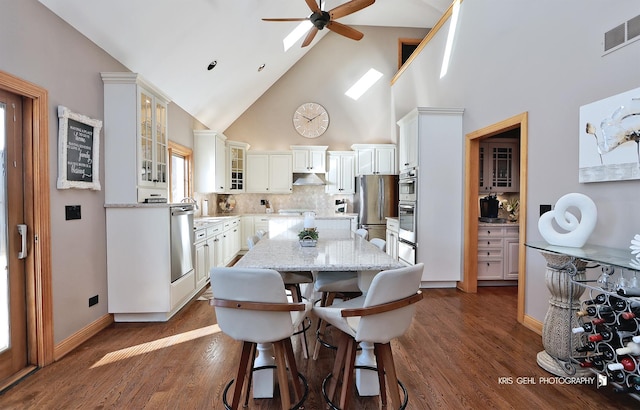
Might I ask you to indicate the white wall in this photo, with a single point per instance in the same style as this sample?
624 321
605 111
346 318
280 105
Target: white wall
323 76
545 58
39 47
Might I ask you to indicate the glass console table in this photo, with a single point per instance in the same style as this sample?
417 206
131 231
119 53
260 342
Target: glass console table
567 352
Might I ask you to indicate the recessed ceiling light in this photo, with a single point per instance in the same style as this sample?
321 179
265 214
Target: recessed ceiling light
262 66
212 64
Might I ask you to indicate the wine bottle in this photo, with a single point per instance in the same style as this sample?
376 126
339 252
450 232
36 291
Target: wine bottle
607 352
587 347
624 363
630 348
616 376
597 362
598 300
628 292
633 382
588 327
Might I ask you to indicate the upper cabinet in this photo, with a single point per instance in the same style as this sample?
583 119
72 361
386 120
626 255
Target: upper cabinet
341 173
499 165
136 155
373 159
408 142
237 166
209 157
269 172
309 159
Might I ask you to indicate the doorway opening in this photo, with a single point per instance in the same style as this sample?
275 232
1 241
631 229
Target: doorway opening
471 207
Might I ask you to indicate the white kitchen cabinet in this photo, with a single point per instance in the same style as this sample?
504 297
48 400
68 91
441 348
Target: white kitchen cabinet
231 237
340 175
393 225
139 266
250 224
202 256
499 166
269 172
135 140
408 142
440 139
236 170
497 252
309 158
375 159
209 157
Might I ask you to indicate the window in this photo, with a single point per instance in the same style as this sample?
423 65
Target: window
180 183
406 46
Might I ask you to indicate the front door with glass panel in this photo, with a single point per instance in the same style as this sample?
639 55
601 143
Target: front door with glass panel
13 317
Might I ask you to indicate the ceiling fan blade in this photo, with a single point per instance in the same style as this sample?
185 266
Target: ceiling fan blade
313 5
287 19
346 31
348 8
310 36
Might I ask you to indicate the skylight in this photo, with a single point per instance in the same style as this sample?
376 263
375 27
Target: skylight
450 37
363 84
296 34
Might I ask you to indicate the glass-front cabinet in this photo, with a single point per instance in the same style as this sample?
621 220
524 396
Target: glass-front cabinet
153 140
499 166
237 165
136 155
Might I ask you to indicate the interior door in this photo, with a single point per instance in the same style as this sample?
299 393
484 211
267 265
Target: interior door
13 317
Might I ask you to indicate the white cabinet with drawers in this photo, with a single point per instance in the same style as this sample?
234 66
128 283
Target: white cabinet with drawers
497 252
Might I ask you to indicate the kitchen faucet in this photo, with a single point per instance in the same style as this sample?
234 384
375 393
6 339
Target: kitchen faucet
191 201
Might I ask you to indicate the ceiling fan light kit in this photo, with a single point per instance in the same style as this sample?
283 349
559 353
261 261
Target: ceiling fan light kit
321 19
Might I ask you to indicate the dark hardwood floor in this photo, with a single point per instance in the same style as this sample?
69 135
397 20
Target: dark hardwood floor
453 356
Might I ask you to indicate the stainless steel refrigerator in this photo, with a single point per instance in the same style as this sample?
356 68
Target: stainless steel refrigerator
376 198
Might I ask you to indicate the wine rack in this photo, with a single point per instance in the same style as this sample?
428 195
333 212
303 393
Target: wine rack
600 319
607 330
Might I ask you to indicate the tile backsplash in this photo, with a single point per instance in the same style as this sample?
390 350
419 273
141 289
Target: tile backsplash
303 197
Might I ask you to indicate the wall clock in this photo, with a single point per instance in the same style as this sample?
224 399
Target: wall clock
311 120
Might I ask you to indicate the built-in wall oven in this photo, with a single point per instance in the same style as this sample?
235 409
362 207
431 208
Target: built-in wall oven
182 240
408 217
407 237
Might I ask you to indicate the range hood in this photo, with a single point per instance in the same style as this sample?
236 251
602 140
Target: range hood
307 179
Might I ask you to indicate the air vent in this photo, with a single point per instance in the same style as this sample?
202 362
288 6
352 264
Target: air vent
622 34
614 37
633 28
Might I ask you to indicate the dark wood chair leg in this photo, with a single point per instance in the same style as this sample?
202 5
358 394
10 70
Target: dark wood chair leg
327 300
281 370
347 379
247 391
381 365
242 371
298 388
390 370
338 365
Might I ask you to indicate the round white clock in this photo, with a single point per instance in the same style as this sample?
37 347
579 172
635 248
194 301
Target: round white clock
311 120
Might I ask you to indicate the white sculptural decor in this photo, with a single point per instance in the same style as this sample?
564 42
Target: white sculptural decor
575 231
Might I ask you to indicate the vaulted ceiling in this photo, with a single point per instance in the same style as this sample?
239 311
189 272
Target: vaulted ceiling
171 43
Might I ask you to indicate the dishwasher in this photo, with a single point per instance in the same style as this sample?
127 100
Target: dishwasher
182 240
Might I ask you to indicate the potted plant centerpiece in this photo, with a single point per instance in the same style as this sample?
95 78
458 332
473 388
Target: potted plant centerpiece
308 237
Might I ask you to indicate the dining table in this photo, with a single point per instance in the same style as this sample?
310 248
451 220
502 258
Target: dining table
335 250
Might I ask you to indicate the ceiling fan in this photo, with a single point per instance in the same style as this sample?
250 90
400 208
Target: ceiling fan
321 19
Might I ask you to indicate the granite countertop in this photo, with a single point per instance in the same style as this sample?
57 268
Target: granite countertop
336 250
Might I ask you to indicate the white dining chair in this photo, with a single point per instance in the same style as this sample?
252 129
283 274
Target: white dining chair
380 243
292 281
362 232
331 284
378 317
260 313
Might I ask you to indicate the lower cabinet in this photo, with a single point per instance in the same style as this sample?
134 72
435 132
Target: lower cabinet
393 225
497 252
139 266
208 254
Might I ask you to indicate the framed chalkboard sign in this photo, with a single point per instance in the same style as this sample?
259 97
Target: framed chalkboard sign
78 150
